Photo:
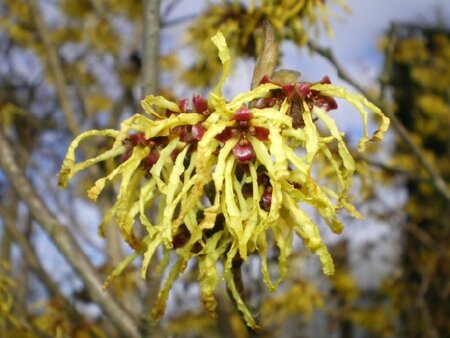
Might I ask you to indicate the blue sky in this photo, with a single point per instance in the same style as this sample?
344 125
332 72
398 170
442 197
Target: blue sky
355 38
354 43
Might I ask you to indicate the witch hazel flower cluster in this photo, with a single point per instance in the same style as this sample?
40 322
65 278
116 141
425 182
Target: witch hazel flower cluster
218 180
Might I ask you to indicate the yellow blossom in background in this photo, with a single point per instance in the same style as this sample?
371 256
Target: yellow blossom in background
220 180
294 20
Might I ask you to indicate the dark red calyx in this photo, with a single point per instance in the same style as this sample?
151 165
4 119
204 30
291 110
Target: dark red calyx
183 105
266 102
260 133
151 159
181 237
138 139
127 154
288 89
325 102
174 154
200 104
190 134
325 80
184 132
303 90
266 200
265 79
197 132
242 114
225 135
243 151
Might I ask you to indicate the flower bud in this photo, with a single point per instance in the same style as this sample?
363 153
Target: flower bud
243 151
183 105
200 104
242 114
197 132
266 200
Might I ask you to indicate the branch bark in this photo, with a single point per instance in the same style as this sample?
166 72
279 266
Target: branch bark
55 67
416 150
152 24
64 241
150 82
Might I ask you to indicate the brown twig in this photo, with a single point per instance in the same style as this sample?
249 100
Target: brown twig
415 149
64 240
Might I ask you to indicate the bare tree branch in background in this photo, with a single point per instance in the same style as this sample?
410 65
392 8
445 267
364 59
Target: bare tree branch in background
55 68
150 67
416 149
64 241
31 258
150 82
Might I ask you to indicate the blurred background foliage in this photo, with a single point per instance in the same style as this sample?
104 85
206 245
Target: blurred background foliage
68 66
421 91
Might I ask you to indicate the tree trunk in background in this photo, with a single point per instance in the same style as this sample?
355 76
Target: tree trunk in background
420 80
150 81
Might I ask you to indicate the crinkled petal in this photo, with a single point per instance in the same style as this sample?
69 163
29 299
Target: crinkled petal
69 169
173 186
308 231
312 137
129 166
160 303
208 276
263 90
239 302
224 54
149 252
159 101
360 103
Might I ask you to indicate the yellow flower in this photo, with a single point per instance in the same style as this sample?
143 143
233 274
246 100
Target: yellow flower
220 180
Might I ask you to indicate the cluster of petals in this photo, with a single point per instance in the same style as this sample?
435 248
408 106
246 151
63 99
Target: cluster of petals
220 180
